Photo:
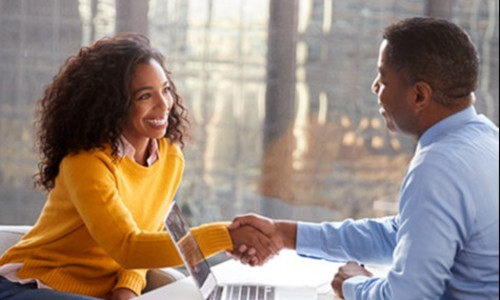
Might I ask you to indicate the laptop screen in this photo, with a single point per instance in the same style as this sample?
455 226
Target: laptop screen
189 250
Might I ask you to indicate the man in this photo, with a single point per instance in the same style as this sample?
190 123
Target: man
443 243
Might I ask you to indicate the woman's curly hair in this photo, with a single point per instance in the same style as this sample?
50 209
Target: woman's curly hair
88 102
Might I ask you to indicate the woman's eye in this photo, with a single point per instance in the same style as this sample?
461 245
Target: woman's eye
144 96
167 89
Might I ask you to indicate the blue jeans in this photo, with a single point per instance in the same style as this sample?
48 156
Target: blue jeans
15 291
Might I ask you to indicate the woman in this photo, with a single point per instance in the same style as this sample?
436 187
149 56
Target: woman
111 125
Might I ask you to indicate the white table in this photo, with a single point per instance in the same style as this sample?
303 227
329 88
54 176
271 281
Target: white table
287 269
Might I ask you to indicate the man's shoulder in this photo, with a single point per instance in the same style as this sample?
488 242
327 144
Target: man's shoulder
464 139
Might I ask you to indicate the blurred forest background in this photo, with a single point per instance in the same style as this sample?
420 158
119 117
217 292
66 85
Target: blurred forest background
278 91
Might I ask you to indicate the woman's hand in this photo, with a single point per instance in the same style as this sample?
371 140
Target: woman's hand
251 246
122 294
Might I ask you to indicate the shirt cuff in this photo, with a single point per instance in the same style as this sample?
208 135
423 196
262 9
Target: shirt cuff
308 235
352 284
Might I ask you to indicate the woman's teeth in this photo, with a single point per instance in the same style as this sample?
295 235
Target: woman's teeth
157 122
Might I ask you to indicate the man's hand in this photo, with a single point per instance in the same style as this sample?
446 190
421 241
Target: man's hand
267 226
251 246
122 294
282 234
345 272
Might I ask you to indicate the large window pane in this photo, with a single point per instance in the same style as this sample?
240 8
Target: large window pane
303 143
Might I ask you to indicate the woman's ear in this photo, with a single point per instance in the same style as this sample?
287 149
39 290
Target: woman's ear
422 95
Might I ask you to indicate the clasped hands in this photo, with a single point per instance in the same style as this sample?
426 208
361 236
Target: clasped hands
257 239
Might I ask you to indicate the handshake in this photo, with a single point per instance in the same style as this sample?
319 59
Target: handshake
257 239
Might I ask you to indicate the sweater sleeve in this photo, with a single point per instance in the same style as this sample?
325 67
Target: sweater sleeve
133 279
213 238
96 198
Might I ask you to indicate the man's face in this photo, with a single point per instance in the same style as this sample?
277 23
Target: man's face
394 94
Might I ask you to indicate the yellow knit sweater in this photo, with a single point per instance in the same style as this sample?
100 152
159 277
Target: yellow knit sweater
102 224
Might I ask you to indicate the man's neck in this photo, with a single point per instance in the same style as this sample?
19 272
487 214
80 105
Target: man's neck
437 112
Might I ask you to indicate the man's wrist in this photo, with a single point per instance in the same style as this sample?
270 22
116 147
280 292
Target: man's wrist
287 230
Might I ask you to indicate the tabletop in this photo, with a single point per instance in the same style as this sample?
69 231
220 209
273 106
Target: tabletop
287 269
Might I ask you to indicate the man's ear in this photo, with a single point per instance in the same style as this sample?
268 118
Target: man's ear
422 95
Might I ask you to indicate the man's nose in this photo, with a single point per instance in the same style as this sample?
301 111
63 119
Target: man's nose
375 86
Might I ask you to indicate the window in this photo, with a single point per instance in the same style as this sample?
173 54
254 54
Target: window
278 90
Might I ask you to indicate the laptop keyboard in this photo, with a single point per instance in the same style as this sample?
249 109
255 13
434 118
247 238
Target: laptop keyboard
243 292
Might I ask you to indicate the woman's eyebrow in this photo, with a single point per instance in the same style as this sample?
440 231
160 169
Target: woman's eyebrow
147 87
142 89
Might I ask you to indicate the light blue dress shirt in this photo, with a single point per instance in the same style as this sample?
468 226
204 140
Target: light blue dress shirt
443 244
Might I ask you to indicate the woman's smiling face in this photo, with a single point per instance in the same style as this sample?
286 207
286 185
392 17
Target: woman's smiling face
151 103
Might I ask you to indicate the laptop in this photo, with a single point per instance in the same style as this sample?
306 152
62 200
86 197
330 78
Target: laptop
201 272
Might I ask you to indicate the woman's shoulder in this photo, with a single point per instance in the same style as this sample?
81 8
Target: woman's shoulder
167 148
88 165
98 154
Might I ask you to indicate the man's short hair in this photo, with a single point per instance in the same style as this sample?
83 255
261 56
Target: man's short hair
435 51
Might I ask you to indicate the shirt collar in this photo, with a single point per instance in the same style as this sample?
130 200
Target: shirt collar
125 148
436 130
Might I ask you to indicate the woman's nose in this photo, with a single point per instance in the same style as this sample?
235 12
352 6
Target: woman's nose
165 102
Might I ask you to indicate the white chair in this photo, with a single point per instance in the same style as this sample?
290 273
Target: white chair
155 278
